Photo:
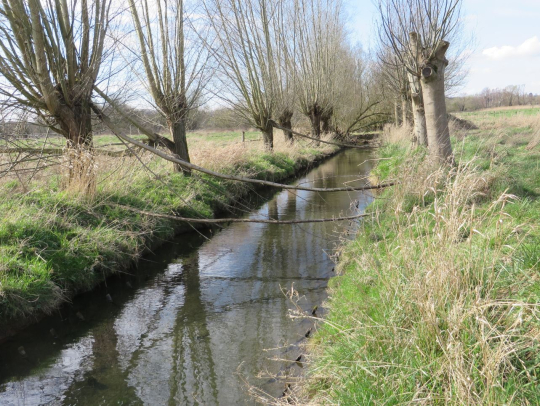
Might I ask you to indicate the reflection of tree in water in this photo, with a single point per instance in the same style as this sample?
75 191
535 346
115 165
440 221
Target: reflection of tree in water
187 365
105 383
193 377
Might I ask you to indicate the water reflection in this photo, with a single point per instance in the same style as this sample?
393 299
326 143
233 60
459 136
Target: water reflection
195 328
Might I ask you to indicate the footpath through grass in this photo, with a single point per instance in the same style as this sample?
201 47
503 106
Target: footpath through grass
438 298
54 244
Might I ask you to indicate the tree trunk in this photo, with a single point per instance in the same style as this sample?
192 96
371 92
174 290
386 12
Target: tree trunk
435 104
326 128
285 122
315 118
326 118
419 117
417 99
77 126
404 108
396 114
268 137
316 127
178 132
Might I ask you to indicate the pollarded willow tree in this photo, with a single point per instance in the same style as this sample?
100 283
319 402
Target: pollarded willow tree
320 35
249 50
419 31
285 45
50 54
176 74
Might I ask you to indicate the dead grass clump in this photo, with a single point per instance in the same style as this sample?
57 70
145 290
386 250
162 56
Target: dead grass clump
505 122
460 127
535 139
393 134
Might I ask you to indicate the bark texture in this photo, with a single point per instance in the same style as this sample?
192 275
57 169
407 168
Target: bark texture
326 119
419 117
268 137
315 113
397 120
285 121
76 124
432 79
417 99
404 109
178 131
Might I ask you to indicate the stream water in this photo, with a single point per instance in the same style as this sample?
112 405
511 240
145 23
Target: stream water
200 321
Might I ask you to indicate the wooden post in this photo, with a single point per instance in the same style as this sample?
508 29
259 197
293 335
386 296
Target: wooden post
243 136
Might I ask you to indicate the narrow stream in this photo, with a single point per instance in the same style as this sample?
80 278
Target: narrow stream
200 321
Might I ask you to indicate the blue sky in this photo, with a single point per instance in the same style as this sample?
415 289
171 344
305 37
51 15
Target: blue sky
506 49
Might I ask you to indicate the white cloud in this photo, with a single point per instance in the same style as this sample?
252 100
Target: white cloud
530 47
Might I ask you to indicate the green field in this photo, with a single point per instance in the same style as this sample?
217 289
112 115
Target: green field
506 112
113 143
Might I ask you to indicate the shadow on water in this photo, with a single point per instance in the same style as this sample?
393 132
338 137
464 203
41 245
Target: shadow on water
195 322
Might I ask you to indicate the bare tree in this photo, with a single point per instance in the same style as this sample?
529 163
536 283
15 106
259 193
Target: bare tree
391 80
249 52
320 36
419 32
50 54
175 75
285 46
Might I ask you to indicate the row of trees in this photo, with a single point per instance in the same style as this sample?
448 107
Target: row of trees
415 36
269 59
491 98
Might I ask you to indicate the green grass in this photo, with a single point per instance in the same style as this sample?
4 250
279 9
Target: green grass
533 111
109 141
436 302
54 244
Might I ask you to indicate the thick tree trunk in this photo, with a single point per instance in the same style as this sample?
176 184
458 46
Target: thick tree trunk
417 99
435 104
419 118
316 127
326 119
285 122
315 114
178 132
326 127
77 126
268 137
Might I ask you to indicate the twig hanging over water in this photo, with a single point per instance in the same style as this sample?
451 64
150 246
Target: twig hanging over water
339 144
239 220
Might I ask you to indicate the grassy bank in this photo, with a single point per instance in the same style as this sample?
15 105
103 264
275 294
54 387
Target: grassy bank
438 296
54 244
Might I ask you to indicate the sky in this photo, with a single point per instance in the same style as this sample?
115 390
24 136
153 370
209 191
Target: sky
506 40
